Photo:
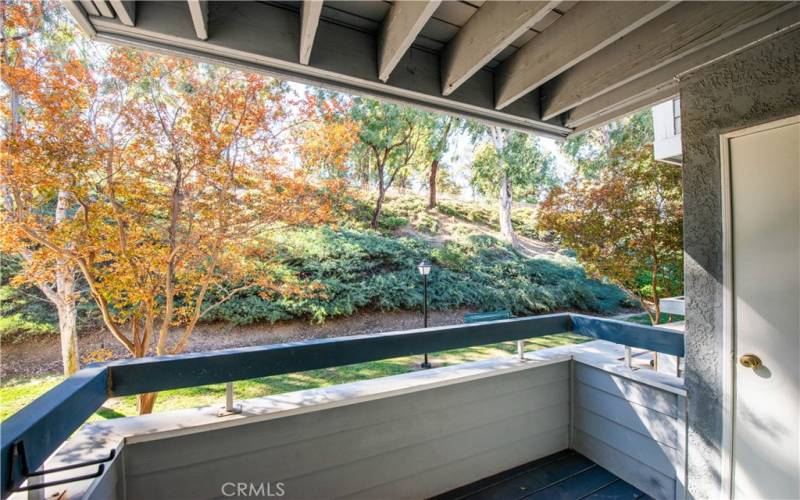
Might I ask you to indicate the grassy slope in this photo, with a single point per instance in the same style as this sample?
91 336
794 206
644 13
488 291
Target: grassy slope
15 395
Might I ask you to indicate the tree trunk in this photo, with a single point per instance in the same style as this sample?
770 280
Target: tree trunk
432 184
68 328
656 318
506 229
376 214
66 302
146 402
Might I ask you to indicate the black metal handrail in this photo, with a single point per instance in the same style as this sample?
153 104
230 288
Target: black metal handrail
48 421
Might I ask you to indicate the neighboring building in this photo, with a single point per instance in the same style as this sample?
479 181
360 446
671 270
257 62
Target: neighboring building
667 129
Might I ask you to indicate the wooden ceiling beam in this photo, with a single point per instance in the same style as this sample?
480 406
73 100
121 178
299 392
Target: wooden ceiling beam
582 31
682 30
103 8
491 29
402 25
310 11
263 37
89 7
79 11
199 12
658 83
125 10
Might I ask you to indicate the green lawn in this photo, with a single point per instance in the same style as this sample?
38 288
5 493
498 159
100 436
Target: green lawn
18 393
644 319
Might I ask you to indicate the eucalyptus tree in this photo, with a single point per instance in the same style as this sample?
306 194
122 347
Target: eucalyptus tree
595 149
510 165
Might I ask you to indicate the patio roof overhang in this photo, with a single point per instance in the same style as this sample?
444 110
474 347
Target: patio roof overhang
552 68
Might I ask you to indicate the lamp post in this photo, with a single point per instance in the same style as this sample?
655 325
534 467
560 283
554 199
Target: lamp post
424 269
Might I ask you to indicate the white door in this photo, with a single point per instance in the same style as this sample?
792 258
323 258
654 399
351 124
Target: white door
764 165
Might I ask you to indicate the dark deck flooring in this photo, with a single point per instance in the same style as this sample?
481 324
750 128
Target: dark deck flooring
564 475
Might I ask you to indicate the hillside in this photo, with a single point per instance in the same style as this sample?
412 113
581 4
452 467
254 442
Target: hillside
352 271
350 267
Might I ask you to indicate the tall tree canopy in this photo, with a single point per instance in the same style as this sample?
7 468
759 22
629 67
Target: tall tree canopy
389 137
436 130
47 95
593 149
326 135
510 165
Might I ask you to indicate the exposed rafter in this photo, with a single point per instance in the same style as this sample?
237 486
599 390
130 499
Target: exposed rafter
662 83
74 8
491 29
689 27
593 59
558 48
104 8
309 20
402 25
88 6
125 10
199 11
264 37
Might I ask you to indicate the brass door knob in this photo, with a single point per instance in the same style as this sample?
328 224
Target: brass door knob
750 361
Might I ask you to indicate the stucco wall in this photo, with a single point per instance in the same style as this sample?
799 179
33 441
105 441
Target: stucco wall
757 85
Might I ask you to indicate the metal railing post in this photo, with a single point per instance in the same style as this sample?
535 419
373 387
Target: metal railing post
628 361
230 406
521 349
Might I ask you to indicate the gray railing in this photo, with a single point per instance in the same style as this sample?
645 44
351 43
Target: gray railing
36 431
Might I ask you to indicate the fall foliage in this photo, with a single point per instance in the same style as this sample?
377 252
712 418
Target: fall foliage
170 171
155 187
46 98
624 222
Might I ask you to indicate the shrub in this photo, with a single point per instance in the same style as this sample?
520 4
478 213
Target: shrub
24 311
346 270
391 222
405 206
426 223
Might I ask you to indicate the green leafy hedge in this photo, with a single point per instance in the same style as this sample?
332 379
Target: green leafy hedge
24 310
352 269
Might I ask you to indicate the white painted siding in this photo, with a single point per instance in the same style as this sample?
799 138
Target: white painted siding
667 131
406 446
636 431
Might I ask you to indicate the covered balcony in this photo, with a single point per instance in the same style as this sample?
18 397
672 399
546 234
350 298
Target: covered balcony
567 422
571 421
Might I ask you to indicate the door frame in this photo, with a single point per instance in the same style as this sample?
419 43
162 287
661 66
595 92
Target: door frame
728 318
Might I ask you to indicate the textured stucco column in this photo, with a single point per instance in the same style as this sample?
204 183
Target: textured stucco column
759 84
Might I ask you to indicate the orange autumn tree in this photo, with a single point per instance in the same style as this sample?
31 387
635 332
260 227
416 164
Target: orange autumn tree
47 93
174 206
626 224
326 135
193 179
